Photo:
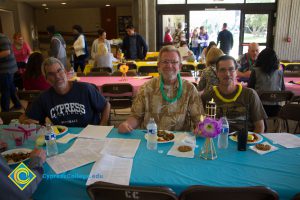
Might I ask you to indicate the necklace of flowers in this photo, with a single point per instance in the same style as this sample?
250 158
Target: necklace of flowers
179 91
240 88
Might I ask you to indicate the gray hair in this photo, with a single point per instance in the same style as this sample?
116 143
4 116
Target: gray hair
49 62
168 48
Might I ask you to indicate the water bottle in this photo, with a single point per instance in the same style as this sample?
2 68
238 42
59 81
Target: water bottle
152 135
50 139
223 136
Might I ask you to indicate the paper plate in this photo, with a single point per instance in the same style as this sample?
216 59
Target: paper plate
21 150
259 138
57 128
165 141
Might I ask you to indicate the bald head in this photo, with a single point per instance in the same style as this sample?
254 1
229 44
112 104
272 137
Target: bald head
253 50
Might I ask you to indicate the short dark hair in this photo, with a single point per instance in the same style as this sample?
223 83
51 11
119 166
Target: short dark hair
224 58
129 26
225 25
51 29
101 31
78 28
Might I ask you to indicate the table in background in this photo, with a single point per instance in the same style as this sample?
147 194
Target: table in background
295 88
289 63
278 170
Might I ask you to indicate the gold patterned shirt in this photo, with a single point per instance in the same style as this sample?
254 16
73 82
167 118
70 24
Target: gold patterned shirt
180 115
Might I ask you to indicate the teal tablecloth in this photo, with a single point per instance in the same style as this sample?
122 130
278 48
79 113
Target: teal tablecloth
279 170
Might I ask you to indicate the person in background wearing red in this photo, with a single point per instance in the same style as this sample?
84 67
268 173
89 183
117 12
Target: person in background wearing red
22 51
33 78
168 38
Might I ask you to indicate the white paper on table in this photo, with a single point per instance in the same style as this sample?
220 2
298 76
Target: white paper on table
273 148
96 132
121 147
86 143
284 139
111 169
71 160
65 139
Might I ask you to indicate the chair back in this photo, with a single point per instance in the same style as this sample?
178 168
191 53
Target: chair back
29 96
98 74
8 116
101 69
186 74
228 193
290 112
276 96
187 68
292 67
201 66
108 191
145 70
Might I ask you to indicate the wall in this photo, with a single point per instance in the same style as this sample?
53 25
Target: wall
27 23
9 16
288 23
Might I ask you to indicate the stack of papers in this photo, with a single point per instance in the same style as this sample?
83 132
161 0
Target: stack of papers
95 132
121 147
284 139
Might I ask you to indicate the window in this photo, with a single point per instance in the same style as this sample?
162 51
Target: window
260 1
170 1
213 1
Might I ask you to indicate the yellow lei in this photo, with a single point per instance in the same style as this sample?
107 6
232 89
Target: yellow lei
240 88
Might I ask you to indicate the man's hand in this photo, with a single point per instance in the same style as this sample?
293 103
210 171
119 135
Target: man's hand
38 153
25 120
125 127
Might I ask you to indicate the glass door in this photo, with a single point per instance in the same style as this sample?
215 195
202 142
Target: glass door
255 28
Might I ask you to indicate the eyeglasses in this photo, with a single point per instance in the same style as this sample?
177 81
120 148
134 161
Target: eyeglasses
53 74
231 70
172 62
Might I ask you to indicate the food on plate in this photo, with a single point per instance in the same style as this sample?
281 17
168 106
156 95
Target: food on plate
263 147
164 136
16 157
252 137
58 129
184 148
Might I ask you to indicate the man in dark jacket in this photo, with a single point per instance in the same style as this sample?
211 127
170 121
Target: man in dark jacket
134 45
226 40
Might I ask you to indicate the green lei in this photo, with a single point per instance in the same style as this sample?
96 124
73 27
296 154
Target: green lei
179 92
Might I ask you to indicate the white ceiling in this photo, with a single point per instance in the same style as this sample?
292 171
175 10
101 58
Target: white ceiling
76 3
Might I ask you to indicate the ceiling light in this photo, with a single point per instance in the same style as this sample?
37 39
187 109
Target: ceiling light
107 5
47 8
63 3
44 5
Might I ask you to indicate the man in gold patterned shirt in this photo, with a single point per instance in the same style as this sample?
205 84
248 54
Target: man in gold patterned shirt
174 103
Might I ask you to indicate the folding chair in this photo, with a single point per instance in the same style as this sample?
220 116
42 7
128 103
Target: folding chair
228 193
101 69
200 68
292 67
119 95
98 74
145 70
186 74
188 68
290 112
8 116
29 96
108 191
274 97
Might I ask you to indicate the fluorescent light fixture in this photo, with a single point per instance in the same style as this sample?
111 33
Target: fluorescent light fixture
44 5
63 3
214 9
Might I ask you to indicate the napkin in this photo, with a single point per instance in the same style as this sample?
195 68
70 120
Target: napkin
273 148
183 140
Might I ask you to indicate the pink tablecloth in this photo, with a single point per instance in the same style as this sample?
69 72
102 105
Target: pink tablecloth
136 82
291 86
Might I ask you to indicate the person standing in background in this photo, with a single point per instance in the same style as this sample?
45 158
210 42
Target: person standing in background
168 38
179 35
203 37
22 51
57 45
225 38
80 48
194 43
134 45
101 45
8 66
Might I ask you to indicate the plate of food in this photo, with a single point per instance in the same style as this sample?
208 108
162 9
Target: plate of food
15 156
164 136
253 138
59 130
